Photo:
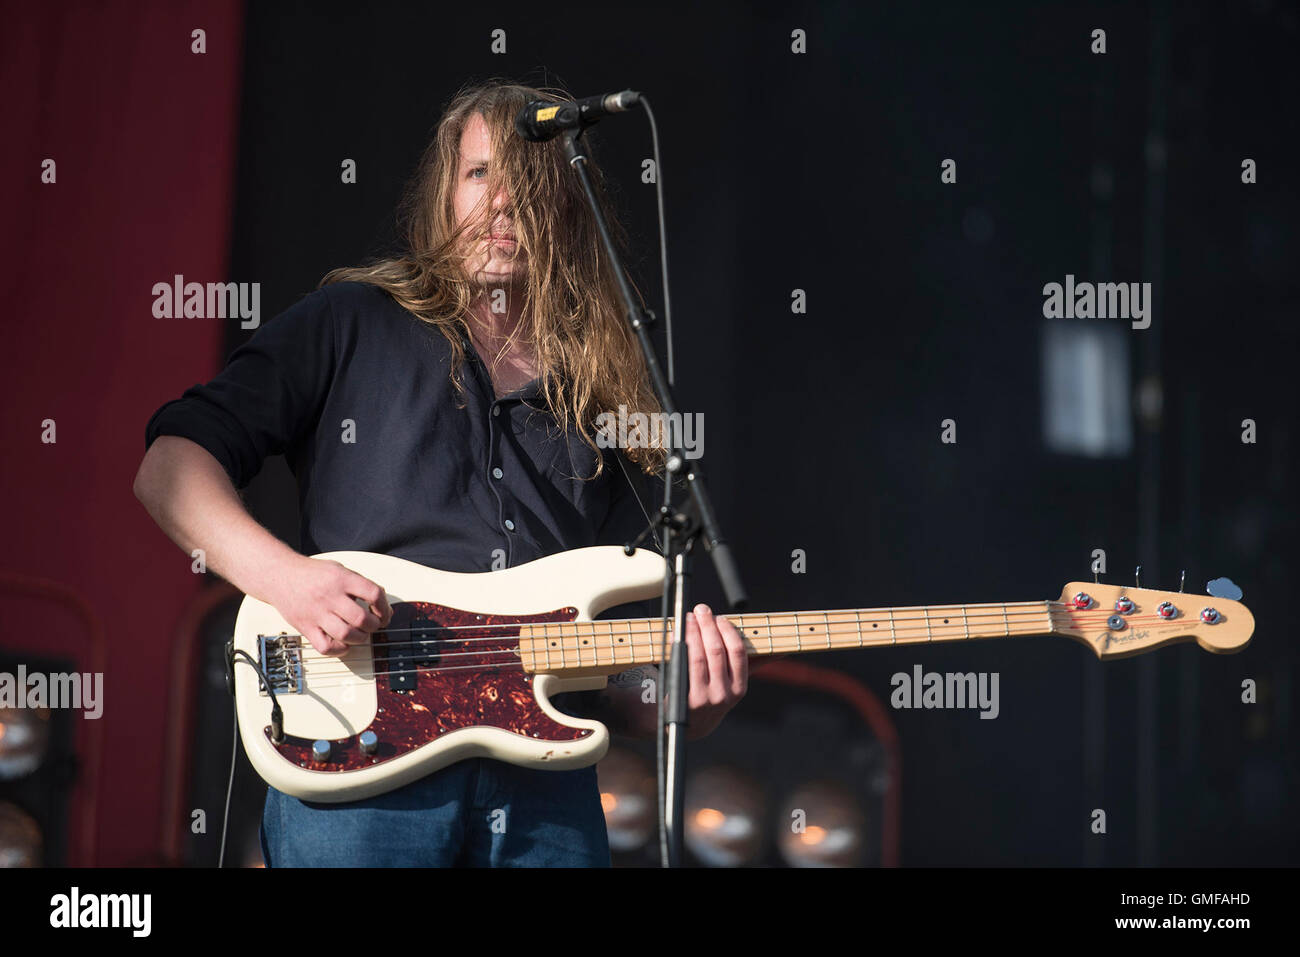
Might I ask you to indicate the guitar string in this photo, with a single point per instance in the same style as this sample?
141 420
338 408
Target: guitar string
994 610
321 679
326 667
321 671
487 626
573 635
511 629
608 628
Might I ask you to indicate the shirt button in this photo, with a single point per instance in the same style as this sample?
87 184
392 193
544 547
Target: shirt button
496 410
510 525
497 473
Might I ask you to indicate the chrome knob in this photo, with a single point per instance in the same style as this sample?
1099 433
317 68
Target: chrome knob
369 742
1166 610
1124 605
1211 616
320 751
1082 601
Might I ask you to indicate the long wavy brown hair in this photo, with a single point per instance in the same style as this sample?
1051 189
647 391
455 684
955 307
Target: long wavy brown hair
587 358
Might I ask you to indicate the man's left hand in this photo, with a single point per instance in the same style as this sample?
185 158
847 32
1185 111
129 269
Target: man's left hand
719 669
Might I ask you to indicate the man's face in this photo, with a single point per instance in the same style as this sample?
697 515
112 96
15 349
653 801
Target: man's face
492 255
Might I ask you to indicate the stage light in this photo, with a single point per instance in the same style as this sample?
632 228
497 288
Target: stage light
724 810
24 741
20 838
627 793
39 766
824 826
797 726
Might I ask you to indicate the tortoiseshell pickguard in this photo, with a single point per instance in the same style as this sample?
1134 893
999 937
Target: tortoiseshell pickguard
487 688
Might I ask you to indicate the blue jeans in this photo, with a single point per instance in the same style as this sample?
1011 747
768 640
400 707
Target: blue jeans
475 813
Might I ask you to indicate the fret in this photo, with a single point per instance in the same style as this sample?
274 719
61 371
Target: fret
771 637
929 634
798 641
1006 621
858 617
631 637
893 632
741 623
654 636
965 619
546 639
827 618
582 641
947 613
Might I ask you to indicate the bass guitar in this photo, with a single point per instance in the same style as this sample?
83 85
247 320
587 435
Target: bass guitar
468 663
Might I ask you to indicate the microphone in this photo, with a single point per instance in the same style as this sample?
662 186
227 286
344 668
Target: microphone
540 121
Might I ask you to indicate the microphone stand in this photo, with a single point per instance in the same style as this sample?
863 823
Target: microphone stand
682 528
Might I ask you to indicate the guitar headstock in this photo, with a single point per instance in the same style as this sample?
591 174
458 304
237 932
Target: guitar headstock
1117 621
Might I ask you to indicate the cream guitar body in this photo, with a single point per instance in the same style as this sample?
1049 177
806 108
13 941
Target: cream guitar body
443 683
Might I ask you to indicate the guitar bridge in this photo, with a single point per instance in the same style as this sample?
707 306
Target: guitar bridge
281 658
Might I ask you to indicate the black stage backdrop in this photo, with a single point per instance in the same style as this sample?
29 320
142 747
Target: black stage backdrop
821 171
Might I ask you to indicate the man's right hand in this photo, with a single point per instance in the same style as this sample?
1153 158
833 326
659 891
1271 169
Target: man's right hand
317 596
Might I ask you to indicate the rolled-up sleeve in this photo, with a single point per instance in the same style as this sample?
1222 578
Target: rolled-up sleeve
267 397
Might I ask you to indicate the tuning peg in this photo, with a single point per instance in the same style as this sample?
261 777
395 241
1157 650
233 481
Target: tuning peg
1182 577
1223 588
1137 577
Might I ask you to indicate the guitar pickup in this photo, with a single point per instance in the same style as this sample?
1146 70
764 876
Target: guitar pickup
281 658
419 650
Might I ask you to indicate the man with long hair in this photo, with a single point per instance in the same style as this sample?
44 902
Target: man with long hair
439 406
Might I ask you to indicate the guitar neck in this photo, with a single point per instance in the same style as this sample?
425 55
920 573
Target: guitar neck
605 647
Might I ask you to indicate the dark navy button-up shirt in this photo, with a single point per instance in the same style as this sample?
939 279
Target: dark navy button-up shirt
389 457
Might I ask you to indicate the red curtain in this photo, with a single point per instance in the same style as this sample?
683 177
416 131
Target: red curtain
141 130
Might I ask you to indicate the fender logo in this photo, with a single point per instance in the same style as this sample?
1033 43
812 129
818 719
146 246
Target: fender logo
1110 638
